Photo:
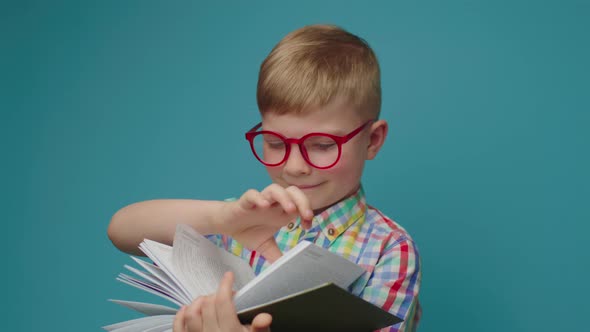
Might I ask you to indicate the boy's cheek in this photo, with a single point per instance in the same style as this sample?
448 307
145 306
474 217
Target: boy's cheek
348 167
344 177
274 175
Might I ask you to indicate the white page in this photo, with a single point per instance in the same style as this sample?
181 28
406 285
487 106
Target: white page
161 255
302 267
200 264
156 281
156 272
145 283
139 324
137 284
160 328
146 325
164 322
148 309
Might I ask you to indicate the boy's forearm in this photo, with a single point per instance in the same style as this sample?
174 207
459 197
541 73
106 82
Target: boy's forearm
157 219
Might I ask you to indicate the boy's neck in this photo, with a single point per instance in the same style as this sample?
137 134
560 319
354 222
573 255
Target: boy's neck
351 193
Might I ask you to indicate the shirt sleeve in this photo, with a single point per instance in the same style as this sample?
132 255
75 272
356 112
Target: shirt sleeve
229 244
395 283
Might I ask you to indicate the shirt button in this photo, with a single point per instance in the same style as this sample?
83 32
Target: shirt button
331 232
291 225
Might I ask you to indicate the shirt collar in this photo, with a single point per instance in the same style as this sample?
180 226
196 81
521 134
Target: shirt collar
337 218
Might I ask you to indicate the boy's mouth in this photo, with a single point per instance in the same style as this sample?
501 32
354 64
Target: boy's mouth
304 187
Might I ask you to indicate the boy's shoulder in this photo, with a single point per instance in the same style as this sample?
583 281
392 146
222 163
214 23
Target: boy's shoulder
385 227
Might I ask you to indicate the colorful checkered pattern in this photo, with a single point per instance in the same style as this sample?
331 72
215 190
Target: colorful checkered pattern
365 236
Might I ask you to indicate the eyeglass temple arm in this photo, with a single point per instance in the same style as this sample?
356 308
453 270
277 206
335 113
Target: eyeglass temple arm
356 131
254 129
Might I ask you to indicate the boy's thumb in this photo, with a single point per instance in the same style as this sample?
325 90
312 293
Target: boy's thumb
261 323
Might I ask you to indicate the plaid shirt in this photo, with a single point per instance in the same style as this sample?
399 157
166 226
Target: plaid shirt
365 236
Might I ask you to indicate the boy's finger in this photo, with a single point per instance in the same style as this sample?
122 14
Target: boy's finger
302 203
261 323
278 194
252 198
210 322
193 320
247 199
178 325
224 304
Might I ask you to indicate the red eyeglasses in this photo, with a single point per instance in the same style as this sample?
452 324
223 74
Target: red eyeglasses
319 150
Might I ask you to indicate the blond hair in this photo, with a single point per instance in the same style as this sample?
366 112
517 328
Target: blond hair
313 65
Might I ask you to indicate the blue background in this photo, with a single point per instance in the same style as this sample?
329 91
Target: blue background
110 102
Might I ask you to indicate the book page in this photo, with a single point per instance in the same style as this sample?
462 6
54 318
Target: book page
158 282
148 287
140 324
148 309
157 273
200 264
305 266
161 255
160 328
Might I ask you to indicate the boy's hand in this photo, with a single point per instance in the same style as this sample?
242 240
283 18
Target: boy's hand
257 216
216 313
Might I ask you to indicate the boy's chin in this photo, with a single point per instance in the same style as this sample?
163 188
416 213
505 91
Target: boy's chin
322 205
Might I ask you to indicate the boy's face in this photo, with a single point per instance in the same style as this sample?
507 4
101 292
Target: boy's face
323 187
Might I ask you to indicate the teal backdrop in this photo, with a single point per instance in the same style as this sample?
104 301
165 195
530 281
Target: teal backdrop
105 103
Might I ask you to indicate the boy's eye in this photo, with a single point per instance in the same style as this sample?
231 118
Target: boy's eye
320 145
324 146
274 143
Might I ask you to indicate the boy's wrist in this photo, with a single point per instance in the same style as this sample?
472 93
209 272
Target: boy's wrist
221 217
270 251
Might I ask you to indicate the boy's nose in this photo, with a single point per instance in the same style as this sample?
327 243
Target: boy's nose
295 163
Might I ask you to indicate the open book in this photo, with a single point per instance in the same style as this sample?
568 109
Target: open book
303 290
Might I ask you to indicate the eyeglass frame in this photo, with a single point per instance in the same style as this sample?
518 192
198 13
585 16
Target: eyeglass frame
340 140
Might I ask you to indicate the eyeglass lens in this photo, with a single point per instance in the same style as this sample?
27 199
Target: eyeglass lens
321 151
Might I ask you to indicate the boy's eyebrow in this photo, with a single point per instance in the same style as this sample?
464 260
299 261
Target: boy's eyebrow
335 131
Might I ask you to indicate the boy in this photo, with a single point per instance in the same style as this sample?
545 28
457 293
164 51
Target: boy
319 96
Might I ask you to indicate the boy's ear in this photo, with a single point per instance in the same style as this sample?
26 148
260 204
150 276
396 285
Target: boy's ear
378 133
